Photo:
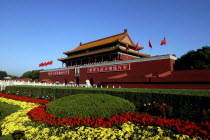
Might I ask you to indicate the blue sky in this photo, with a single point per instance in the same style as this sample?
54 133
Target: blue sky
35 31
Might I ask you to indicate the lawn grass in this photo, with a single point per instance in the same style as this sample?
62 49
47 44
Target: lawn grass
7 137
6 110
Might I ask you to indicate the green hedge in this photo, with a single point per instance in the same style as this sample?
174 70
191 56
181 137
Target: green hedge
187 104
89 105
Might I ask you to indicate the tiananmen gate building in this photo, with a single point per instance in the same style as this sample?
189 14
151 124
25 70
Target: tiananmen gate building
116 61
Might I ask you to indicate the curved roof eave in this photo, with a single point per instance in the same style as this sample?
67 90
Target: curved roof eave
71 57
99 42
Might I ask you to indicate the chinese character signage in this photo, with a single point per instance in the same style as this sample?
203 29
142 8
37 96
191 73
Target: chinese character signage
121 67
60 72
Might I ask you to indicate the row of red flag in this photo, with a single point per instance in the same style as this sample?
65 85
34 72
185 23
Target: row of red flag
45 63
163 42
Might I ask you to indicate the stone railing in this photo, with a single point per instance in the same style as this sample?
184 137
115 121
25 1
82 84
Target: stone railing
3 84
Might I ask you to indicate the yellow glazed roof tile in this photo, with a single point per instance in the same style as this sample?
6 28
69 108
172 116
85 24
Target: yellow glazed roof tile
120 37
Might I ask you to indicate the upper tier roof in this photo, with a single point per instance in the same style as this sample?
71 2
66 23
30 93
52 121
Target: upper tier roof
102 51
122 37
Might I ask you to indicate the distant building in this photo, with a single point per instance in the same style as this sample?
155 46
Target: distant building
6 78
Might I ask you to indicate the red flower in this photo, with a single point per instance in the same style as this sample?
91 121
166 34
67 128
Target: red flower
186 127
204 112
26 99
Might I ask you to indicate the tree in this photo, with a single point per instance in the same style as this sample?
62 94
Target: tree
13 76
34 74
26 74
199 59
3 74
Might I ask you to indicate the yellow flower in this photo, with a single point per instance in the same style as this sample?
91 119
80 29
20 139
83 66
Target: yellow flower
54 138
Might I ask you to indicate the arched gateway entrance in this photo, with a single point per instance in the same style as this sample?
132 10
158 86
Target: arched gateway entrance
91 81
65 82
76 81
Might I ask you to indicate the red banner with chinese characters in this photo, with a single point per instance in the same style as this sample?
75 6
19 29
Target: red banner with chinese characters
110 68
60 72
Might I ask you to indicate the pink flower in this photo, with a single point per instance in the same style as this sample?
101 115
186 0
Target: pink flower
204 111
149 104
145 105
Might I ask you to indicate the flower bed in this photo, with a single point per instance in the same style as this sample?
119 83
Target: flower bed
123 126
181 126
26 99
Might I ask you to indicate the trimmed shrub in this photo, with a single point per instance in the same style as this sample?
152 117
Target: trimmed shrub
89 105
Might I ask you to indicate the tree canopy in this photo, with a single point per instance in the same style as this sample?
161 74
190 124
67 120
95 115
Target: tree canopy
3 74
199 59
34 74
13 76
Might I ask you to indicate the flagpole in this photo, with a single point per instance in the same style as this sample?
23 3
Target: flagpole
165 43
139 46
52 64
150 51
150 45
165 49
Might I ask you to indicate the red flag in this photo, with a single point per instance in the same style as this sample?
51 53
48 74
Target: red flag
127 48
137 47
163 42
40 65
150 43
50 63
45 64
